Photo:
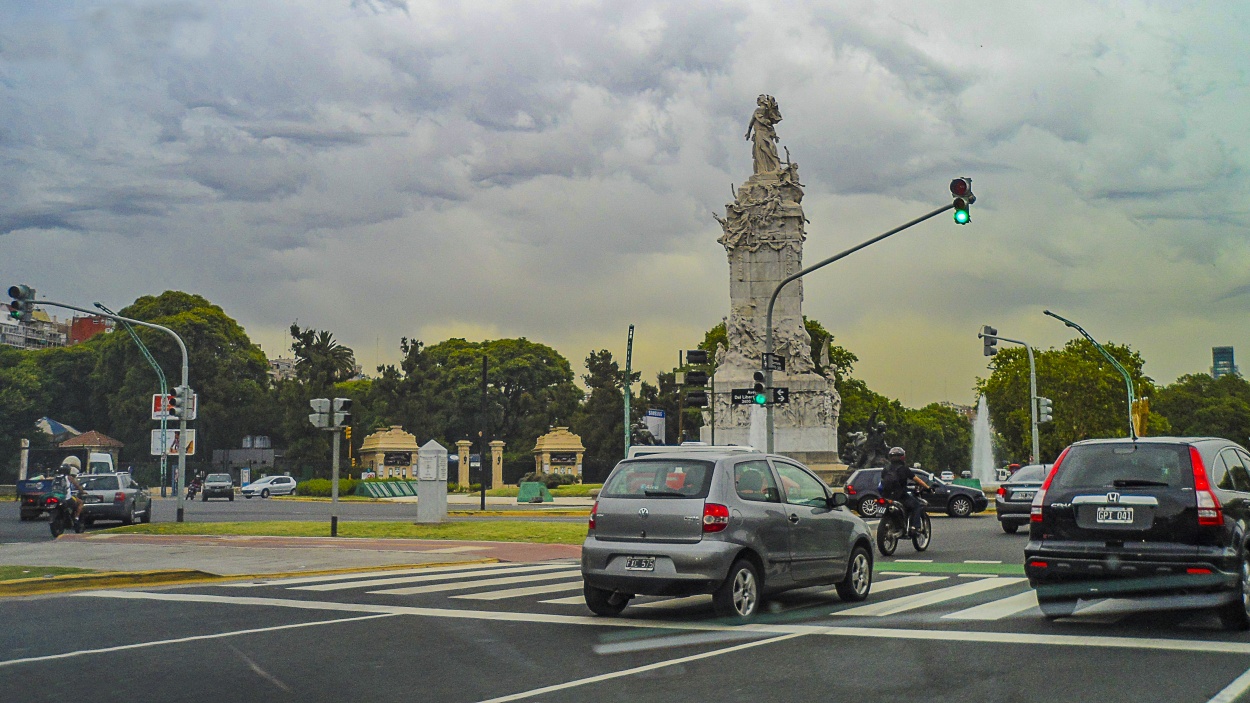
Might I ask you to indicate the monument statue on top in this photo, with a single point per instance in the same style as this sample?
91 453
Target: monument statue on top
763 235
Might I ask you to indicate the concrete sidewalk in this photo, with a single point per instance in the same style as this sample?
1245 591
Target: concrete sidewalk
231 555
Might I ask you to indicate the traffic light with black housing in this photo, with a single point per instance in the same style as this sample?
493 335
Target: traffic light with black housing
695 381
23 304
989 340
961 191
759 393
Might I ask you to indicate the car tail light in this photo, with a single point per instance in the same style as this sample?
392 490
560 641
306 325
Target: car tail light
850 490
119 497
715 517
1001 491
1038 564
1210 513
1035 510
592 514
1197 571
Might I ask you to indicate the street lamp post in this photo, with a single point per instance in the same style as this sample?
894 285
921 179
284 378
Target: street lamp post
768 329
1128 381
1037 456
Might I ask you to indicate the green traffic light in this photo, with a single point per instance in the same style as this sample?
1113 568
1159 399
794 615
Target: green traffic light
761 399
961 217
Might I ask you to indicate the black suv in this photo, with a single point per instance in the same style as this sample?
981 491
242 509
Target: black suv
1162 521
956 501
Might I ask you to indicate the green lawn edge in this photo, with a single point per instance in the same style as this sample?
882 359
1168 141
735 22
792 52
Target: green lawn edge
486 531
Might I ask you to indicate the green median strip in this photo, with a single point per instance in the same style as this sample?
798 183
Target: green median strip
941 567
488 531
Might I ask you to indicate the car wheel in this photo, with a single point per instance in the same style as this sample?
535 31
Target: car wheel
1236 615
603 602
147 514
868 507
1056 608
738 598
129 518
858 580
248 496
264 493
1009 527
960 506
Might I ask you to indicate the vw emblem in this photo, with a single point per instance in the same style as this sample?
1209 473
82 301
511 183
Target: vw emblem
643 512
1113 497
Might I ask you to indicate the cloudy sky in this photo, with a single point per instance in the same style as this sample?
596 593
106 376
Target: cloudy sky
390 168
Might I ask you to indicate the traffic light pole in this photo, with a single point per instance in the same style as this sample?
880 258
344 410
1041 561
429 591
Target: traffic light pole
334 484
1037 455
1128 380
182 421
768 329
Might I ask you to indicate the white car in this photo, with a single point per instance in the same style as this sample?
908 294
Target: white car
270 486
948 476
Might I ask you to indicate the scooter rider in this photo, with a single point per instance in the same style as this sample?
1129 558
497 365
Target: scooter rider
896 478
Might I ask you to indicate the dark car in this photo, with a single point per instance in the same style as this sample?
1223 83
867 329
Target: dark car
114 497
954 500
1016 495
1162 522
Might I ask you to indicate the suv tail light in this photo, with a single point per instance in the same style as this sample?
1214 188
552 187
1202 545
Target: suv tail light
850 490
715 517
1210 513
593 512
1035 509
119 497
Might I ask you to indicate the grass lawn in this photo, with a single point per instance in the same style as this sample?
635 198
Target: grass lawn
486 530
343 498
12 573
572 490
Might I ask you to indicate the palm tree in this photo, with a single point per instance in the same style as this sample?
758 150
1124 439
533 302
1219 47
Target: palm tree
319 359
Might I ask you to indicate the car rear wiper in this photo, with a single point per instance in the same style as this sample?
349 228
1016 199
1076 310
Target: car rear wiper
651 492
1128 482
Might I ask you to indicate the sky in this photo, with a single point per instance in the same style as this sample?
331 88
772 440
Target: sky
396 168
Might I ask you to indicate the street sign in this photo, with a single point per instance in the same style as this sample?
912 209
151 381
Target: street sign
171 442
781 395
160 411
773 362
742 396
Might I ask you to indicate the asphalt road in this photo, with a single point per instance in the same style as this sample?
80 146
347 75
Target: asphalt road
519 632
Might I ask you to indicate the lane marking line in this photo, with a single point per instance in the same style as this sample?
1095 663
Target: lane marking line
920 600
1233 690
194 638
363 575
442 576
673 602
996 610
913 561
481 583
525 591
983 561
571 600
898 573
875 632
636 670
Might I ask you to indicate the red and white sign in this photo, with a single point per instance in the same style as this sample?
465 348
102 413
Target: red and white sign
171 442
159 410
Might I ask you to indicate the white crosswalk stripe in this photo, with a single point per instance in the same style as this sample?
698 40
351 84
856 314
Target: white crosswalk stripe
441 576
996 610
525 591
894 606
902 582
570 600
367 575
466 585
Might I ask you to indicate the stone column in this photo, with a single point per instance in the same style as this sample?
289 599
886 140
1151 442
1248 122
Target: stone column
496 463
431 482
462 472
579 468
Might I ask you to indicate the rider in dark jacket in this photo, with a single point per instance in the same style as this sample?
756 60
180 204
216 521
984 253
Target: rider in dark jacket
896 478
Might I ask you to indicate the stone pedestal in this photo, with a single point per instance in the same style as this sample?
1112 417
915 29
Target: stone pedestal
462 470
496 463
431 482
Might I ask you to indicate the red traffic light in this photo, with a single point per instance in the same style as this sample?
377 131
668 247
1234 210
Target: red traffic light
961 187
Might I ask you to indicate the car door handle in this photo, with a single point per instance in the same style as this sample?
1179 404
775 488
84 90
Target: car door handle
794 518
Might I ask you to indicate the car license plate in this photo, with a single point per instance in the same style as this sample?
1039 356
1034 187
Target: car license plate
640 563
1114 516
92 499
1023 495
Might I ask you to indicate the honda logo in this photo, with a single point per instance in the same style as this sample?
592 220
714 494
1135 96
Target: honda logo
1113 497
643 512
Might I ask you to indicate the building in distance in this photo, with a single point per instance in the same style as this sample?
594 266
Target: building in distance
1222 362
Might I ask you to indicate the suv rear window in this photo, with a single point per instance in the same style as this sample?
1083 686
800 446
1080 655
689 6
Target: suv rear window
99 483
659 478
1123 465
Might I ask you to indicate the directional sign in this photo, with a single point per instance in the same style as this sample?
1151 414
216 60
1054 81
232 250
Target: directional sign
160 411
742 396
781 396
773 362
171 442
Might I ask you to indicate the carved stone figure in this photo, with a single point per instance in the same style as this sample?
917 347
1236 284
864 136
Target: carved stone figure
763 137
855 453
876 451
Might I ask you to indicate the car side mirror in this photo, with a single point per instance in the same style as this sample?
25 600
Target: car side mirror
837 500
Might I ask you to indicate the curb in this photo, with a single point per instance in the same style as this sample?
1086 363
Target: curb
171 577
558 512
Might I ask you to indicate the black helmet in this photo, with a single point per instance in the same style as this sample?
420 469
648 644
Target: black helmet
898 454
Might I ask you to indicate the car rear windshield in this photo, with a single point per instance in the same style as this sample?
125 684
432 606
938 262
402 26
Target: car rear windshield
1124 465
99 483
660 478
1029 473
217 478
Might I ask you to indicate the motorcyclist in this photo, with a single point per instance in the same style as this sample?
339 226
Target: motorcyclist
70 468
896 479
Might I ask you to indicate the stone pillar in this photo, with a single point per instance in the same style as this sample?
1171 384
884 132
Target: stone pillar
462 473
579 468
431 482
24 462
496 463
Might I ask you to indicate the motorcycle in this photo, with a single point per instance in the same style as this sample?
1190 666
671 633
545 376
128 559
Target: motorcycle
61 514
893 527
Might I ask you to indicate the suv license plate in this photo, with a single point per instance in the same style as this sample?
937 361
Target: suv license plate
640 563
1115 516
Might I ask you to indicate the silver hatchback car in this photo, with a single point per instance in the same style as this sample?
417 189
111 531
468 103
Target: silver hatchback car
738 526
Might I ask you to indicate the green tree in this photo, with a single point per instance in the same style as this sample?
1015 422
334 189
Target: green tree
21 404
937 437
1198 405
320 361
1088 393
600 420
